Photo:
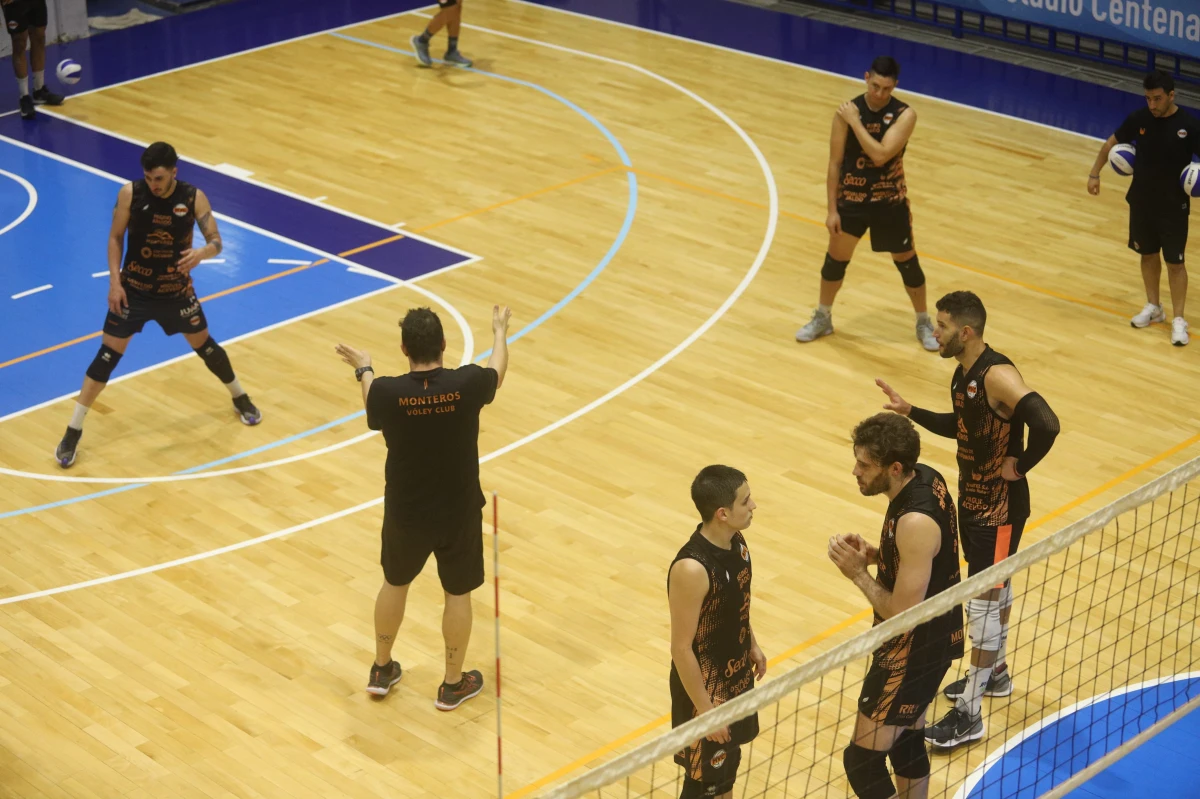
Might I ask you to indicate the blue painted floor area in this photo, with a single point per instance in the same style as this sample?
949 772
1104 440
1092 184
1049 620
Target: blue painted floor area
39 251
1164 766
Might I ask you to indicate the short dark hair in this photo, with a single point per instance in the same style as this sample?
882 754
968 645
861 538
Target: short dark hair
889 438
965 308
715 488
421 333
1159 80
886 67
159 154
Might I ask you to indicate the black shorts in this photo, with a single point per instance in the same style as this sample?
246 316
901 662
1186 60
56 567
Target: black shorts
898 693
181 314
458 550
985 546
1152 229
717 766
21 15
890 225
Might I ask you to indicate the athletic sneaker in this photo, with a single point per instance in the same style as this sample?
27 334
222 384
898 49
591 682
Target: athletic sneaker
246 410
999 684
27 109
821 324
65 453
451 696
383 678
422 49
44 96
456 59
925 335
1179 331
1150 314
957 727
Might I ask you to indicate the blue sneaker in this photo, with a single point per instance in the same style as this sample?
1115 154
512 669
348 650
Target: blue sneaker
422 50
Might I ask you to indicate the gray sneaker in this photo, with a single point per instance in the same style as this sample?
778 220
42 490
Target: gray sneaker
956 727
925 335
821 324
456 59
422 50
999 684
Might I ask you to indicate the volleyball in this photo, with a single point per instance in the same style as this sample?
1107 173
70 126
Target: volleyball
1121 158
1190 179
69 71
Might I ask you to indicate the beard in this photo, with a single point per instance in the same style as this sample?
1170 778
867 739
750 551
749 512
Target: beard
877 486
952 346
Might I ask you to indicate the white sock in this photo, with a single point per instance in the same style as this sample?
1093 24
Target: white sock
77 416
825 309
39 80
235 388
23 85
972 698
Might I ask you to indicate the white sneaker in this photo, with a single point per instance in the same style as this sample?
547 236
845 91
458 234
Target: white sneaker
821 324
925 335
1179 331
1150 314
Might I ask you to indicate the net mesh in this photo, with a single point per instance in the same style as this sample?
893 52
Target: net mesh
1102 645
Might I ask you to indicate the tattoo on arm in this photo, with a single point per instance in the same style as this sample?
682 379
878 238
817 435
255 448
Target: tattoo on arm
211 235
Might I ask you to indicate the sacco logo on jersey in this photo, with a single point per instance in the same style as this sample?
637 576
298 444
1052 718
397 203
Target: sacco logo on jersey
972 389
718 758
180 210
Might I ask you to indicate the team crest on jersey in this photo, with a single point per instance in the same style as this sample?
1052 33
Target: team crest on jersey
887 118
718 758
1141 131
180 210
12 26
1181 133
745 553
972 389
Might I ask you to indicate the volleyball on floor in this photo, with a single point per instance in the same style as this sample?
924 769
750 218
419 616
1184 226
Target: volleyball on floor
1121 158
1190 179
69 71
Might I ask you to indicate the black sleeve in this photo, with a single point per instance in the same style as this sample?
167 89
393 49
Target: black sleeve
1128 130
942 424
484 380
1035 413
381 403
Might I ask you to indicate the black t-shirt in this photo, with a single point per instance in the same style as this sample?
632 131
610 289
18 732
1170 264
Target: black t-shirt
863 184
160 229
1164 147
430 421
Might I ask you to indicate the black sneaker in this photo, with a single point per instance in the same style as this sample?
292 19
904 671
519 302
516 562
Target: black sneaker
999 684
44 96
383 678
957 727
27 110
65 454
246 410
451 696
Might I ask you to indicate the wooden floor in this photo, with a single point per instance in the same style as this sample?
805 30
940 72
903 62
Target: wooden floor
242 675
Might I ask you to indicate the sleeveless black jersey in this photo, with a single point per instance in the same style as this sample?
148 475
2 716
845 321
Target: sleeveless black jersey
863 184
984 440
940 638
160 228
722 642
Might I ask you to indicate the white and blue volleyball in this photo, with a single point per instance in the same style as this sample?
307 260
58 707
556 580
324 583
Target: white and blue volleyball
69 71
1189 179
1121 158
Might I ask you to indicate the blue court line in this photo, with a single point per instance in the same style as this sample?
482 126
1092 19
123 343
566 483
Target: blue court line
630 213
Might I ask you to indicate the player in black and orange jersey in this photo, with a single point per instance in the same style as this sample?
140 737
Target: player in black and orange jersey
154 282
867 191
917 558
714 654
992 408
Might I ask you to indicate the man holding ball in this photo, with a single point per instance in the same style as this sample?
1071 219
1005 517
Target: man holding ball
26 23
1167 137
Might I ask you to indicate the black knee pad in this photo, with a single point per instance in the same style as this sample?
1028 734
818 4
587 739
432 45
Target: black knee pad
833 270
910 758
102 366
216 359
867 772
910 272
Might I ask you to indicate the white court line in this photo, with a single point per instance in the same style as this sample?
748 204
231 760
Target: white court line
789 64
759 258
320 199
105 273
46 287
209 261
288 262
29 206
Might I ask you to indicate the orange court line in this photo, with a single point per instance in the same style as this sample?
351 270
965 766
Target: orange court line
843 624
354 251
817 223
